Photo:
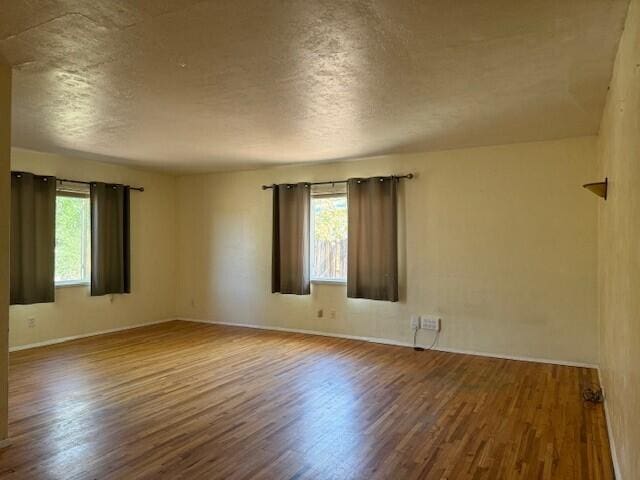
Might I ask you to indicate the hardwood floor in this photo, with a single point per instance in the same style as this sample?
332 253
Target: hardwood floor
187 400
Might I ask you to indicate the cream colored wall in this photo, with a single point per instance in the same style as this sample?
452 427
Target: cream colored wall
619 249
5 212
153 252
500 241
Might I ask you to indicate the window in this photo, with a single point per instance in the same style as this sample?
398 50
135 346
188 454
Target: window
329 238
73 239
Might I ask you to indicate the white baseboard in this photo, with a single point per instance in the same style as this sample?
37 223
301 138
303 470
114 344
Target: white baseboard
53 341
564 363
612 445
384 341
5 443
398 343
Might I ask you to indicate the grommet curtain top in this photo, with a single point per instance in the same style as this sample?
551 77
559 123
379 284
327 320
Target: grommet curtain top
79 182
408 176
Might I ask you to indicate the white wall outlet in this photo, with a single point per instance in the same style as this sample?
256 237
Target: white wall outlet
31 322
332 314
415 322
430 322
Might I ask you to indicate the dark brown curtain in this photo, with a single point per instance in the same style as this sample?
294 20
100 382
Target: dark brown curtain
33 219
290 254
372 270
110 239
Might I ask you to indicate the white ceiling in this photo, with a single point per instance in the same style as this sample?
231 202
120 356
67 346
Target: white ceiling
209 85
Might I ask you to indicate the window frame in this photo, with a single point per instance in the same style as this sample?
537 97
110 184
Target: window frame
63 192
322 281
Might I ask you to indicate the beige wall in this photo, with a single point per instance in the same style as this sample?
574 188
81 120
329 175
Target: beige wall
153 258
500 241
619 249
5 153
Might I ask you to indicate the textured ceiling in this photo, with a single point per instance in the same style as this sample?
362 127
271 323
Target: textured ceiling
209 85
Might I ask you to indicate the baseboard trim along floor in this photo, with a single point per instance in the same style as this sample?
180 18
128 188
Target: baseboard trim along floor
397 343
54 341
612 445
383 341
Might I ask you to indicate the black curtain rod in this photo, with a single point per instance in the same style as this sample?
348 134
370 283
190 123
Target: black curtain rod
408 176
139 189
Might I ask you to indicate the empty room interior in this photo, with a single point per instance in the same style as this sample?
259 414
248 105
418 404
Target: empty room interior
288 239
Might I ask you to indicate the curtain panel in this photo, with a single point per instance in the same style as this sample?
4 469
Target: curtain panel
110 239
372 271
33 216
290 247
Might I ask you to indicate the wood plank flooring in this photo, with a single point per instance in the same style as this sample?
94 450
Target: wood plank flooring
191 401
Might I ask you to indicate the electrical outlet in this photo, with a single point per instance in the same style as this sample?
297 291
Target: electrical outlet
332 314
320 313
415 322
430 322
31 322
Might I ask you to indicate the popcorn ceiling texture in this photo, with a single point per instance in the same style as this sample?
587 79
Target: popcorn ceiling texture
208 85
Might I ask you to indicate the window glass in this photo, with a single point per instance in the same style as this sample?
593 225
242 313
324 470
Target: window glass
329 237
73 238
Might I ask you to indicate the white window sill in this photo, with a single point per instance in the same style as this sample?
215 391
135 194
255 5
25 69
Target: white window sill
72 284
320 281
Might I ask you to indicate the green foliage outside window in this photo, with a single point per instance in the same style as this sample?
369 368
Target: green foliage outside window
72 239
331 219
